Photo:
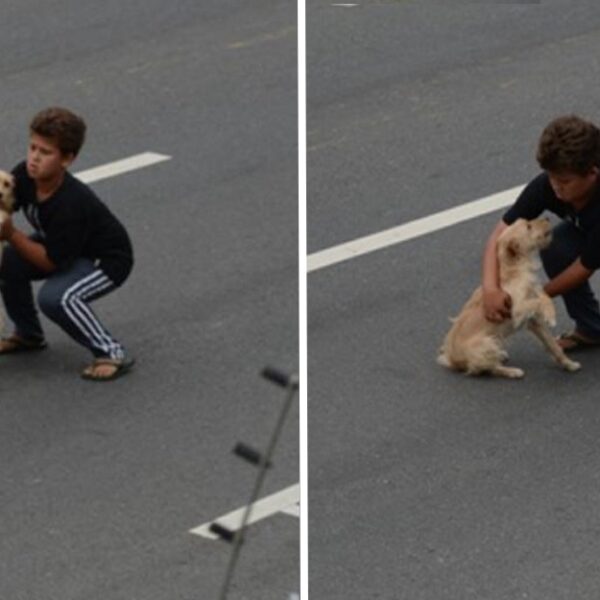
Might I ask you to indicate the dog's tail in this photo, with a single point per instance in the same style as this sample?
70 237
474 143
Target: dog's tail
444 356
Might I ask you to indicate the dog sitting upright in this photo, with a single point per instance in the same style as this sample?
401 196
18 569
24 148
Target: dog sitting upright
474 344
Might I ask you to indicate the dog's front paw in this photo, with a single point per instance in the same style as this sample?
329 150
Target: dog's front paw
571 365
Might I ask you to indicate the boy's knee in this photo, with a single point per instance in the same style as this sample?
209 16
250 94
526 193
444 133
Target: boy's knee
50 304
553 260
565 247
549 254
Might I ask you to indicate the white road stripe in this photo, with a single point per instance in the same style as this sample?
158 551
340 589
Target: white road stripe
408 231
119 167
293 510
261 509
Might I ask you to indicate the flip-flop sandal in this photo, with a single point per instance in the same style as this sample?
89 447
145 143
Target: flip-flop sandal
574 341
121 367
14 344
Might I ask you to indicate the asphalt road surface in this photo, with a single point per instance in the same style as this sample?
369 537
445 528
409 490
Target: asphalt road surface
424 484
100 484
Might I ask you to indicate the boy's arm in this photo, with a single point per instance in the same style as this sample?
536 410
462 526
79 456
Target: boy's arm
572 277
496 302
31 251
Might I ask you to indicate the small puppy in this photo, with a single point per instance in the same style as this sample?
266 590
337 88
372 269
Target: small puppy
7 202
7 198
474 344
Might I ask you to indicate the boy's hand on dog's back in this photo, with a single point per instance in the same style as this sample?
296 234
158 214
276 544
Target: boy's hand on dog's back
496 305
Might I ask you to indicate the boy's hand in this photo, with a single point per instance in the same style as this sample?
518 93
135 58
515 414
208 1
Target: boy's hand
496 305
6 228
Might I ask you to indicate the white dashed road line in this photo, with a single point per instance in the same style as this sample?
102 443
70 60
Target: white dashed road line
408 231
118 167
286 501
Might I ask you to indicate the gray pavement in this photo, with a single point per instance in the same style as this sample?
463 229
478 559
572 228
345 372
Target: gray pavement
100 484
426 485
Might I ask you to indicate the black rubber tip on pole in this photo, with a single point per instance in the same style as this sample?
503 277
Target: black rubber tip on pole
279 377
249 454
224 533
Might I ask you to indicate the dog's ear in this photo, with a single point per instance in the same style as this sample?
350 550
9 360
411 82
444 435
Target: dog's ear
513 249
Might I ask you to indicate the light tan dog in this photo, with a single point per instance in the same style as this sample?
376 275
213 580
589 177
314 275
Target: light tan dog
7 198
7 202
474 344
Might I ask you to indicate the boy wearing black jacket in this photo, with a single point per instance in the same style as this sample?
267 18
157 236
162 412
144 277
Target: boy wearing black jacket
79 248
569 186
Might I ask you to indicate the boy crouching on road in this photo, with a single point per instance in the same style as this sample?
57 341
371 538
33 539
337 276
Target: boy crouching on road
569 186
78 247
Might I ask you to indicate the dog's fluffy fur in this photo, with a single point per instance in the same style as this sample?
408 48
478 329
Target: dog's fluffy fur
7 188
7 198
7 202
474 344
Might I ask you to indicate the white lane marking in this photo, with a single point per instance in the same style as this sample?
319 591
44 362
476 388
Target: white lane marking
261 509
293 510
119 167
345 5
408 231
267 37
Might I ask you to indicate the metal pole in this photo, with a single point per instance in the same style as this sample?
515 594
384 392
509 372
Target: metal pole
291 383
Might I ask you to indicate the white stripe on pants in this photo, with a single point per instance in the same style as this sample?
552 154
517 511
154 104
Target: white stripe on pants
74 304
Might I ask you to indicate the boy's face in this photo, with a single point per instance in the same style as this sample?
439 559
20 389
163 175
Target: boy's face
572 187
44 158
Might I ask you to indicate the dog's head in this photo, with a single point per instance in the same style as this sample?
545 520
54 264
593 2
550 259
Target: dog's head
523 237
7 188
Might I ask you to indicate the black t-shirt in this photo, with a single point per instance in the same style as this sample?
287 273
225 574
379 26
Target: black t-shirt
75 223
539 196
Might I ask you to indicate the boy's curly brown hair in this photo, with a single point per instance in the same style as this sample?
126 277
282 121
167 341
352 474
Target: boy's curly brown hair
569 144
63 127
